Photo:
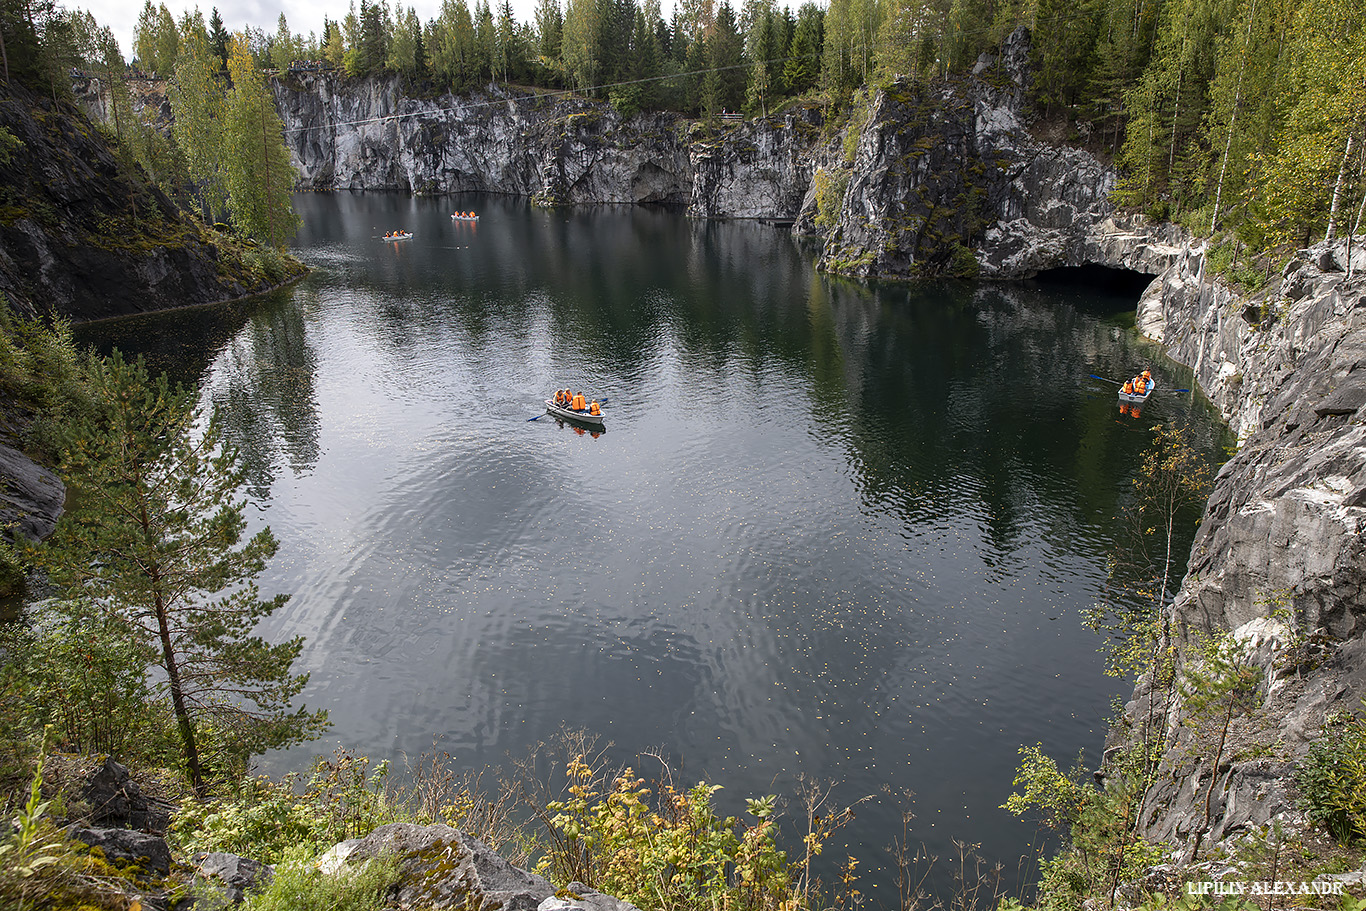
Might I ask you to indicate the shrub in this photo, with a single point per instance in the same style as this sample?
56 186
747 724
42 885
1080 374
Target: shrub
830 189
266 819
1332 780
74 667
675 852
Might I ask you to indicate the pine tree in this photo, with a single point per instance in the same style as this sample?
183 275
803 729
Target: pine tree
156 537
804 52
218 39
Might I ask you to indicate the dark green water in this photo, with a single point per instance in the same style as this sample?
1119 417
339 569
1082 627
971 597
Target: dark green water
830 530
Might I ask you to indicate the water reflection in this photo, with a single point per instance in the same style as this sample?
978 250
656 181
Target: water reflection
837 531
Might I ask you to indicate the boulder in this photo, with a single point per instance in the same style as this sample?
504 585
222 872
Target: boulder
578 897
441 867
124 848
229 875
116 800
31 497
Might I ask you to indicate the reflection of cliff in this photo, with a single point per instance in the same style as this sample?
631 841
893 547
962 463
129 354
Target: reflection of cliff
262 386
965 400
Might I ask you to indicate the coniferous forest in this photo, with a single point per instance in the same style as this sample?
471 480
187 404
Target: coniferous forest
1241 119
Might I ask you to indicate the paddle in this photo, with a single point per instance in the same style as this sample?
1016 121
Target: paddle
1106 379
601 401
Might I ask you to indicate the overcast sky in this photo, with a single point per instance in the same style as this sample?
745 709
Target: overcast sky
303 16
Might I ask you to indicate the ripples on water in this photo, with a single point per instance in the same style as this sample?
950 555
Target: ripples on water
831 530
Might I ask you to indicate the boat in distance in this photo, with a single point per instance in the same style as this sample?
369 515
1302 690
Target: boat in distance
583 417
458 217
399 235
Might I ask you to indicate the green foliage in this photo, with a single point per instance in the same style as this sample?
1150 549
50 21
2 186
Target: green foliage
1057 797
297 885
74 668
268 819
860 110
258 173
41 369
9 144
1332 780
156 535
41 868
674 852
962 262
1101 848
830 189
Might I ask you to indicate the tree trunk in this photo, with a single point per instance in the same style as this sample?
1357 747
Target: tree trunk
1233 117
1331 232
168 653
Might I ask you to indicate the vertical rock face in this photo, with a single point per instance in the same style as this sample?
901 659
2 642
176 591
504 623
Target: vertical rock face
1281 542
354 135
937 172
1288 369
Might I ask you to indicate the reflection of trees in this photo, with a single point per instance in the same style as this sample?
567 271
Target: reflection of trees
970 401
263 388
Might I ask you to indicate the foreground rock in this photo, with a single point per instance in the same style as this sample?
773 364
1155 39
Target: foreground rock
441 867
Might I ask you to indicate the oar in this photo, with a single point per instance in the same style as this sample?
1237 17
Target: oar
1106 379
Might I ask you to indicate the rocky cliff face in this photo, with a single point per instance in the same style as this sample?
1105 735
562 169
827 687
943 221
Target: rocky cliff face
81 240
937 172
557 150
1278 558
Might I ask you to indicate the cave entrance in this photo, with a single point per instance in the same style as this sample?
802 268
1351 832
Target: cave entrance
1114 283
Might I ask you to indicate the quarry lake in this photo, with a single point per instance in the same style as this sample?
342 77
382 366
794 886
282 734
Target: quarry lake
832 531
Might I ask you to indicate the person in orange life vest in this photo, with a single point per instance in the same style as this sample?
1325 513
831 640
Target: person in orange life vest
580 404
562 397
594 409
1128 387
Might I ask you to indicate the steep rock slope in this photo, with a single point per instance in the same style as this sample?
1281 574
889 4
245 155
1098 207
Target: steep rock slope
79 239
558 150
1279 558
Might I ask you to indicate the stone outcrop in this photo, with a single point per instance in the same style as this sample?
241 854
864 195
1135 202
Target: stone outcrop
366 135
31 496
938 173
229 875
440 867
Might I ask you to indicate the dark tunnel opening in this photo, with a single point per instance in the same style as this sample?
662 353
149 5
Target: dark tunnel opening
1118 283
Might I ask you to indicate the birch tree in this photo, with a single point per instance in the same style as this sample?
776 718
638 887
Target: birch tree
257 169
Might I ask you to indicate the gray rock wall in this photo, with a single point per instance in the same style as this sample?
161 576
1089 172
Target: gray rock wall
558 150
1279 556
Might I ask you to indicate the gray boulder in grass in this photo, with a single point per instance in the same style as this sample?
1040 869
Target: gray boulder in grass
441 867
